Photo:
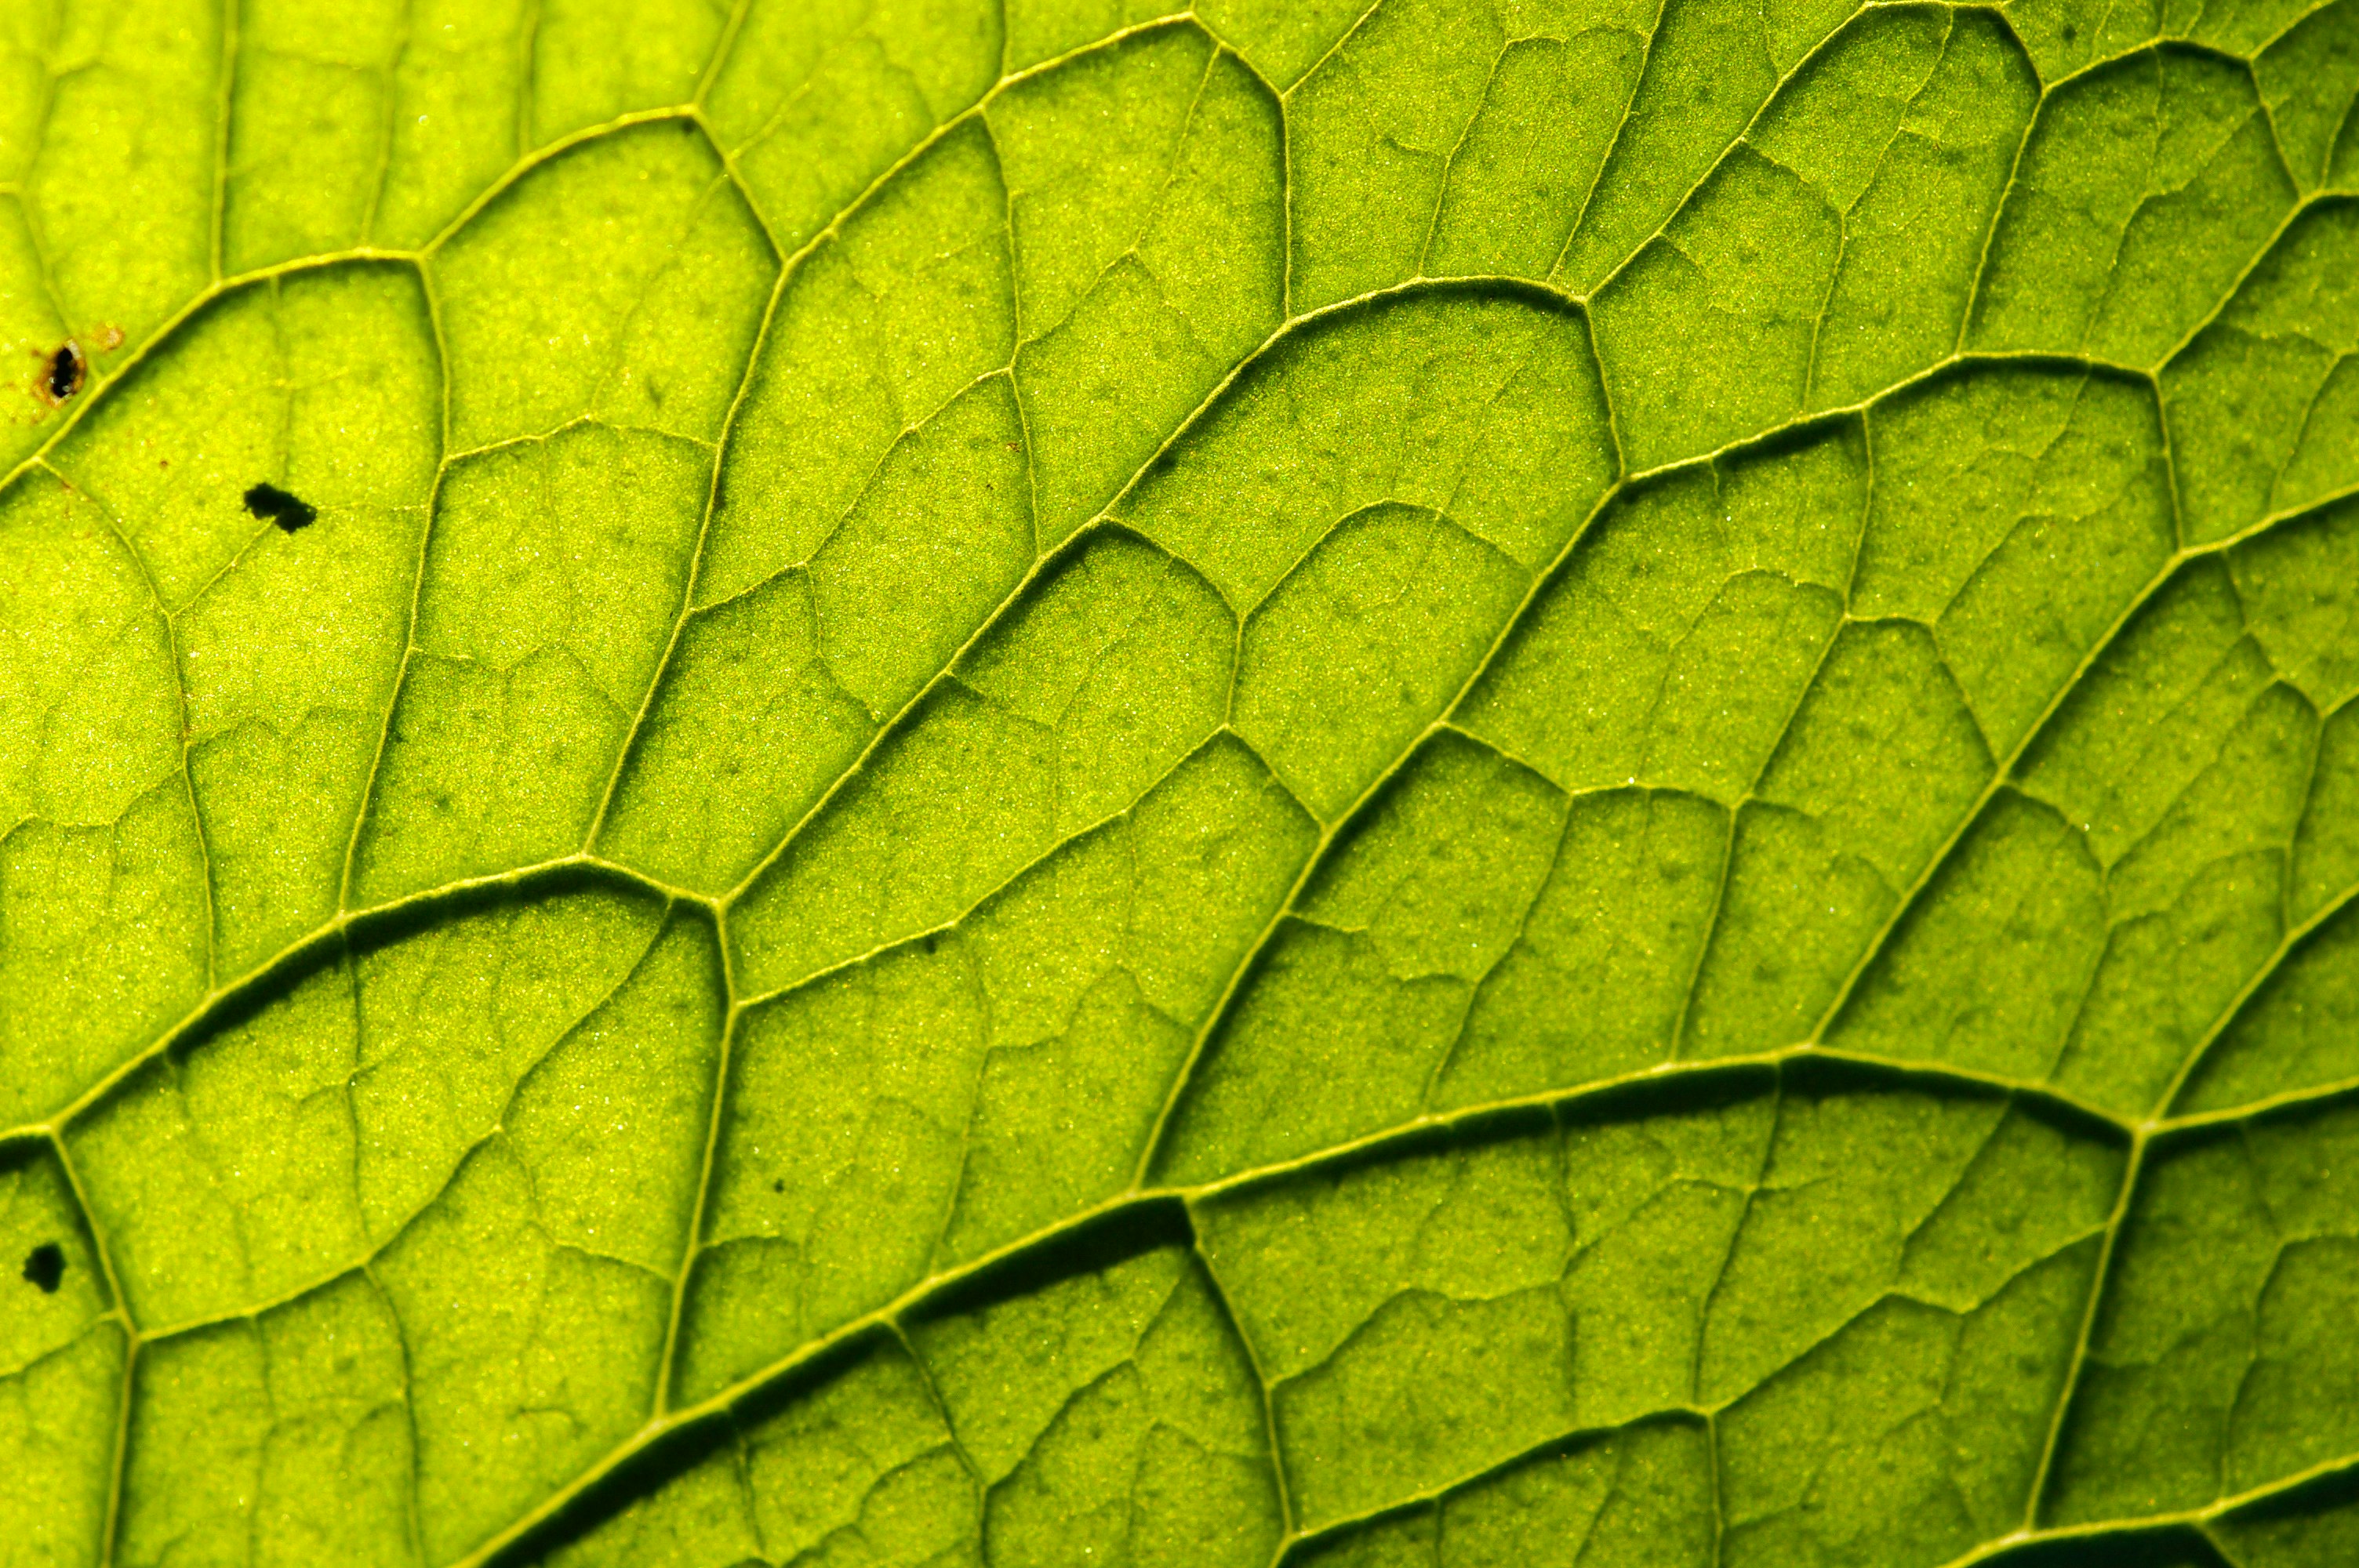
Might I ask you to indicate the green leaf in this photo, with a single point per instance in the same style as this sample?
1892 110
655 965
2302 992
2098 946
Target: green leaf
925 783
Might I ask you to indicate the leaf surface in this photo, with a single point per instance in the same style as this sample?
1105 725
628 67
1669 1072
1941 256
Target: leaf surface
928 783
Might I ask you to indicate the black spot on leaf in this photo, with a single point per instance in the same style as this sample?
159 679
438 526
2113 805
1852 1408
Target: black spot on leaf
45 1266
61 377
780 1186
268 501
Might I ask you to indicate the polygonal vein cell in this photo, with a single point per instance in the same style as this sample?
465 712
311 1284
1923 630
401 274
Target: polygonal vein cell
2263 405
1348 1020
1097 1406
2177 825
2145 190
290 1140
1708 69
426 1210
1832 253
1374 499
552 578
878 504
1115 668
814 102
954 1093
658 274
1443 139
562 545
2217 1364
378 123
2309 77
1963 635
871 509
1843 1271
1147 262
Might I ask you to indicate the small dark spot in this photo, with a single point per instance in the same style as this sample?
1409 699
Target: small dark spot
45 1266
61 377
930 940
780 1186
269 500
2071 32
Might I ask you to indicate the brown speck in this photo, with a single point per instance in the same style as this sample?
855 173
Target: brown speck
62 372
